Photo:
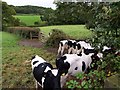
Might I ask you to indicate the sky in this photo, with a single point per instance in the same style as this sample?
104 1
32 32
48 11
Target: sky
43 3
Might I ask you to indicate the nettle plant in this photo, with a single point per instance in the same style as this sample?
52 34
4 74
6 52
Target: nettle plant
105 37
95 79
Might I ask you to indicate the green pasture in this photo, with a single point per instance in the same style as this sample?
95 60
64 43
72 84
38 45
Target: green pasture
28 19
75 31
16 67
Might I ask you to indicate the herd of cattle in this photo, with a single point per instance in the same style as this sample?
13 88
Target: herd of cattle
78 58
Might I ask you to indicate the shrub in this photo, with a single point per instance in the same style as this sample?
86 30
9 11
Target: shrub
23 32
43 23
22 24
94 79
55 37
106 37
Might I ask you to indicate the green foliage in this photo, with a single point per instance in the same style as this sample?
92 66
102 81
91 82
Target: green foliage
7 18
71 13
50 18
94 79
43 23
107 32
72 84
55 37
32 10
68 13
106 37
112 63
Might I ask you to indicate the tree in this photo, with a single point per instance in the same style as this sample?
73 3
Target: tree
107 24
7 18
71 13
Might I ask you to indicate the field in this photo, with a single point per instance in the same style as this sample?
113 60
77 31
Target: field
16 67
28 19
75 31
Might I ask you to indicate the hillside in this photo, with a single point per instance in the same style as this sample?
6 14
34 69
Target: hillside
75 31
28 20
32 10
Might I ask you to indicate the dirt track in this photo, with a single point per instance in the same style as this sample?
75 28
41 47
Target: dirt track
32 43
37 44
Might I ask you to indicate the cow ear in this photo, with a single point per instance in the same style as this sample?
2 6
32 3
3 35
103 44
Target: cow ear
49 73
32 57
64 57
80 54
96 52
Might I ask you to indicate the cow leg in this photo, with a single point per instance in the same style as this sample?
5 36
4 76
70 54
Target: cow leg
74 51
79 51
69 50
63 80
62 51
38 87
59 50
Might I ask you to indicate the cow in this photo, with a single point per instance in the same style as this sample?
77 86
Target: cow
63 63
83 45
45 75
68 62
71 64
69 45
106 50
63 44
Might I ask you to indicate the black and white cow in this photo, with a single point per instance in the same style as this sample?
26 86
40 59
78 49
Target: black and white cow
45 75
74 63
84 45
106 50
63 63
71 64
69 45
62 46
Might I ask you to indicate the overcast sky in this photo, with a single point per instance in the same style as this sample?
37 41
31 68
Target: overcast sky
43 3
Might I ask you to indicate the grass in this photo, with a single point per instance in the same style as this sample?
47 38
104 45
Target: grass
75 31
9 40
16 67
28 19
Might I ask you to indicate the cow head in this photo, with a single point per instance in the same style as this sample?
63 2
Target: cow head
61 65
52 80
97 56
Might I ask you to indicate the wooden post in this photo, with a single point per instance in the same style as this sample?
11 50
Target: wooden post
30 35
39 35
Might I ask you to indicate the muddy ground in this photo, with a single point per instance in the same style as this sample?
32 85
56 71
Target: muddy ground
37 44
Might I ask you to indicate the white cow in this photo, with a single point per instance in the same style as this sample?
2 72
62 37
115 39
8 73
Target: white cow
45 75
